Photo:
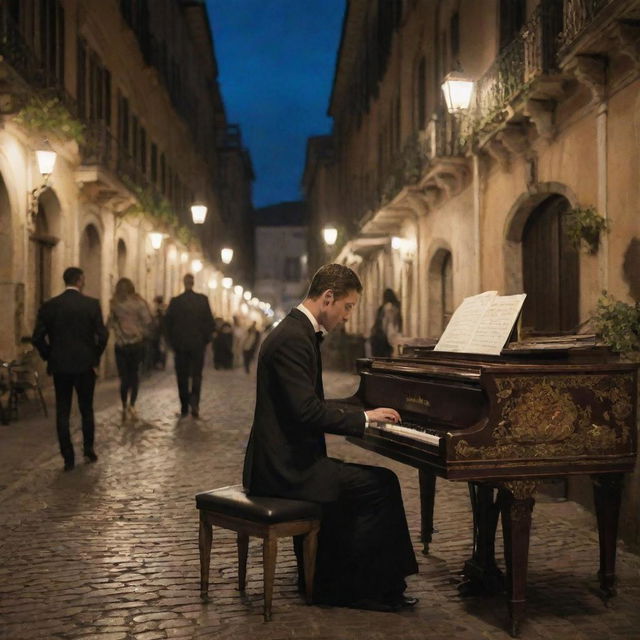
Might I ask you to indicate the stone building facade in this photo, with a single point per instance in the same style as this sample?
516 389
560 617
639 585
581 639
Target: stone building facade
440 206
281 276
126 93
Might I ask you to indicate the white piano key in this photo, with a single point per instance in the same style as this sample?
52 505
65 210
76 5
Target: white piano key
408 432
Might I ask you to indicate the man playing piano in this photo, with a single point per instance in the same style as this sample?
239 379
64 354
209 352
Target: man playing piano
364 548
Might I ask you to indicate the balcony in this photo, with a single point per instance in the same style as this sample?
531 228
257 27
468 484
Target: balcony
108 173
522 85
22 72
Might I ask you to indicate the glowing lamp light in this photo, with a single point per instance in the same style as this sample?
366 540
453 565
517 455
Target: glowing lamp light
226 255
198 213
396 243
213 282
227 283
254 301
457 90
238 290
330 235
196 266
172 254
46 161
184 256
156 239
247 295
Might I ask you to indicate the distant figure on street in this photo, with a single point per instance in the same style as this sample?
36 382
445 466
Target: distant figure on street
159 359
249 345
189 325
364 548
223 346
387 326
131 322
71 337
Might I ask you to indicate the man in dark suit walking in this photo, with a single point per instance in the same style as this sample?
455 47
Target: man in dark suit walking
70 336
364 549
189 325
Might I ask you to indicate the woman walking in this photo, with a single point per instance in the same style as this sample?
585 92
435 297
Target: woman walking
131 322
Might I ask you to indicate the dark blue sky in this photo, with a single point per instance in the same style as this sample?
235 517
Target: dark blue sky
276 60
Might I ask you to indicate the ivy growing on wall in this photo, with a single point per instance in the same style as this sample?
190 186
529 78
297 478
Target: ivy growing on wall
47 115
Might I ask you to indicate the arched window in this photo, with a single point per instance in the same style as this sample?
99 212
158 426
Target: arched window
440 292
122 258
550 270
91 260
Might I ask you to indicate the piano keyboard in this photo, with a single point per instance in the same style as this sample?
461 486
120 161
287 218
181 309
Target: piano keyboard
408 432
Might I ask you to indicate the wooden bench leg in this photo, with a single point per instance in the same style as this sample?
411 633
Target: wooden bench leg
269 554
243 550
204 542
310 548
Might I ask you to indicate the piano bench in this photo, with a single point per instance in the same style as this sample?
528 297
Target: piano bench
263 517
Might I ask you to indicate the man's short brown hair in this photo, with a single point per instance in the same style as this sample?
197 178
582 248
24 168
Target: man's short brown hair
340 279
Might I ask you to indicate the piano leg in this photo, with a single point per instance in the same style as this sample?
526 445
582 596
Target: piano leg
607 490
516 505
427 481
481 573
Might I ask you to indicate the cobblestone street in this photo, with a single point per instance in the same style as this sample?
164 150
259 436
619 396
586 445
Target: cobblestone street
110 550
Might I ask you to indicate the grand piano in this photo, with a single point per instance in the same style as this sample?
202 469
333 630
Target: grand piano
503 424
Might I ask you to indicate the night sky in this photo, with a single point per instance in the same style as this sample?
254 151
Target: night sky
276 61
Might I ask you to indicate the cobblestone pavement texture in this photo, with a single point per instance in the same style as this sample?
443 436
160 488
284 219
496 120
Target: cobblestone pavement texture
109 550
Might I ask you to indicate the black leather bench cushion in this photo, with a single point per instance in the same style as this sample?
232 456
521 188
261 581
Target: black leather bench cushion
233 501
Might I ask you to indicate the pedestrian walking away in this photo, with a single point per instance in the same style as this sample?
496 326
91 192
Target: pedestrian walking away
131 322
189 325
364 548
70 336
249 345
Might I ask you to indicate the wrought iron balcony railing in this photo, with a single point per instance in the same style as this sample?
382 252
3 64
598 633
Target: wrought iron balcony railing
531 54
17 52
577 16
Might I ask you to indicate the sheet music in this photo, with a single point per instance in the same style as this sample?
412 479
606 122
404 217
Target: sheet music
481 324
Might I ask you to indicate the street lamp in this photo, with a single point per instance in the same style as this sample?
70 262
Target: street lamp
247 295
198 213
227 283
330 235
457 89
196 266
46 160
156 239
238 290
226 254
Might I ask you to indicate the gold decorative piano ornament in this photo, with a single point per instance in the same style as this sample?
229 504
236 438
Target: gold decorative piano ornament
503 422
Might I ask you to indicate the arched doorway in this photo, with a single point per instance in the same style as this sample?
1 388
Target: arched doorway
10 291
91 260
440 291
42 241
121 258
550 270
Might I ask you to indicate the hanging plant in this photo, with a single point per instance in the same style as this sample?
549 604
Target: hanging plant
584 225
50 117
618 324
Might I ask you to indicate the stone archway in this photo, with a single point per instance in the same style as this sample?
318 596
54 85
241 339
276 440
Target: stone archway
91 260
440 279
11 292
42 242
121 258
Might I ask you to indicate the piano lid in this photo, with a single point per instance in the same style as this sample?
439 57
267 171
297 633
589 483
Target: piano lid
539 349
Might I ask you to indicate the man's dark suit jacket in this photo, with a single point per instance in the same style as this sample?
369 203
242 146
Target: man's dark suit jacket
70 334
286 455
189 322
